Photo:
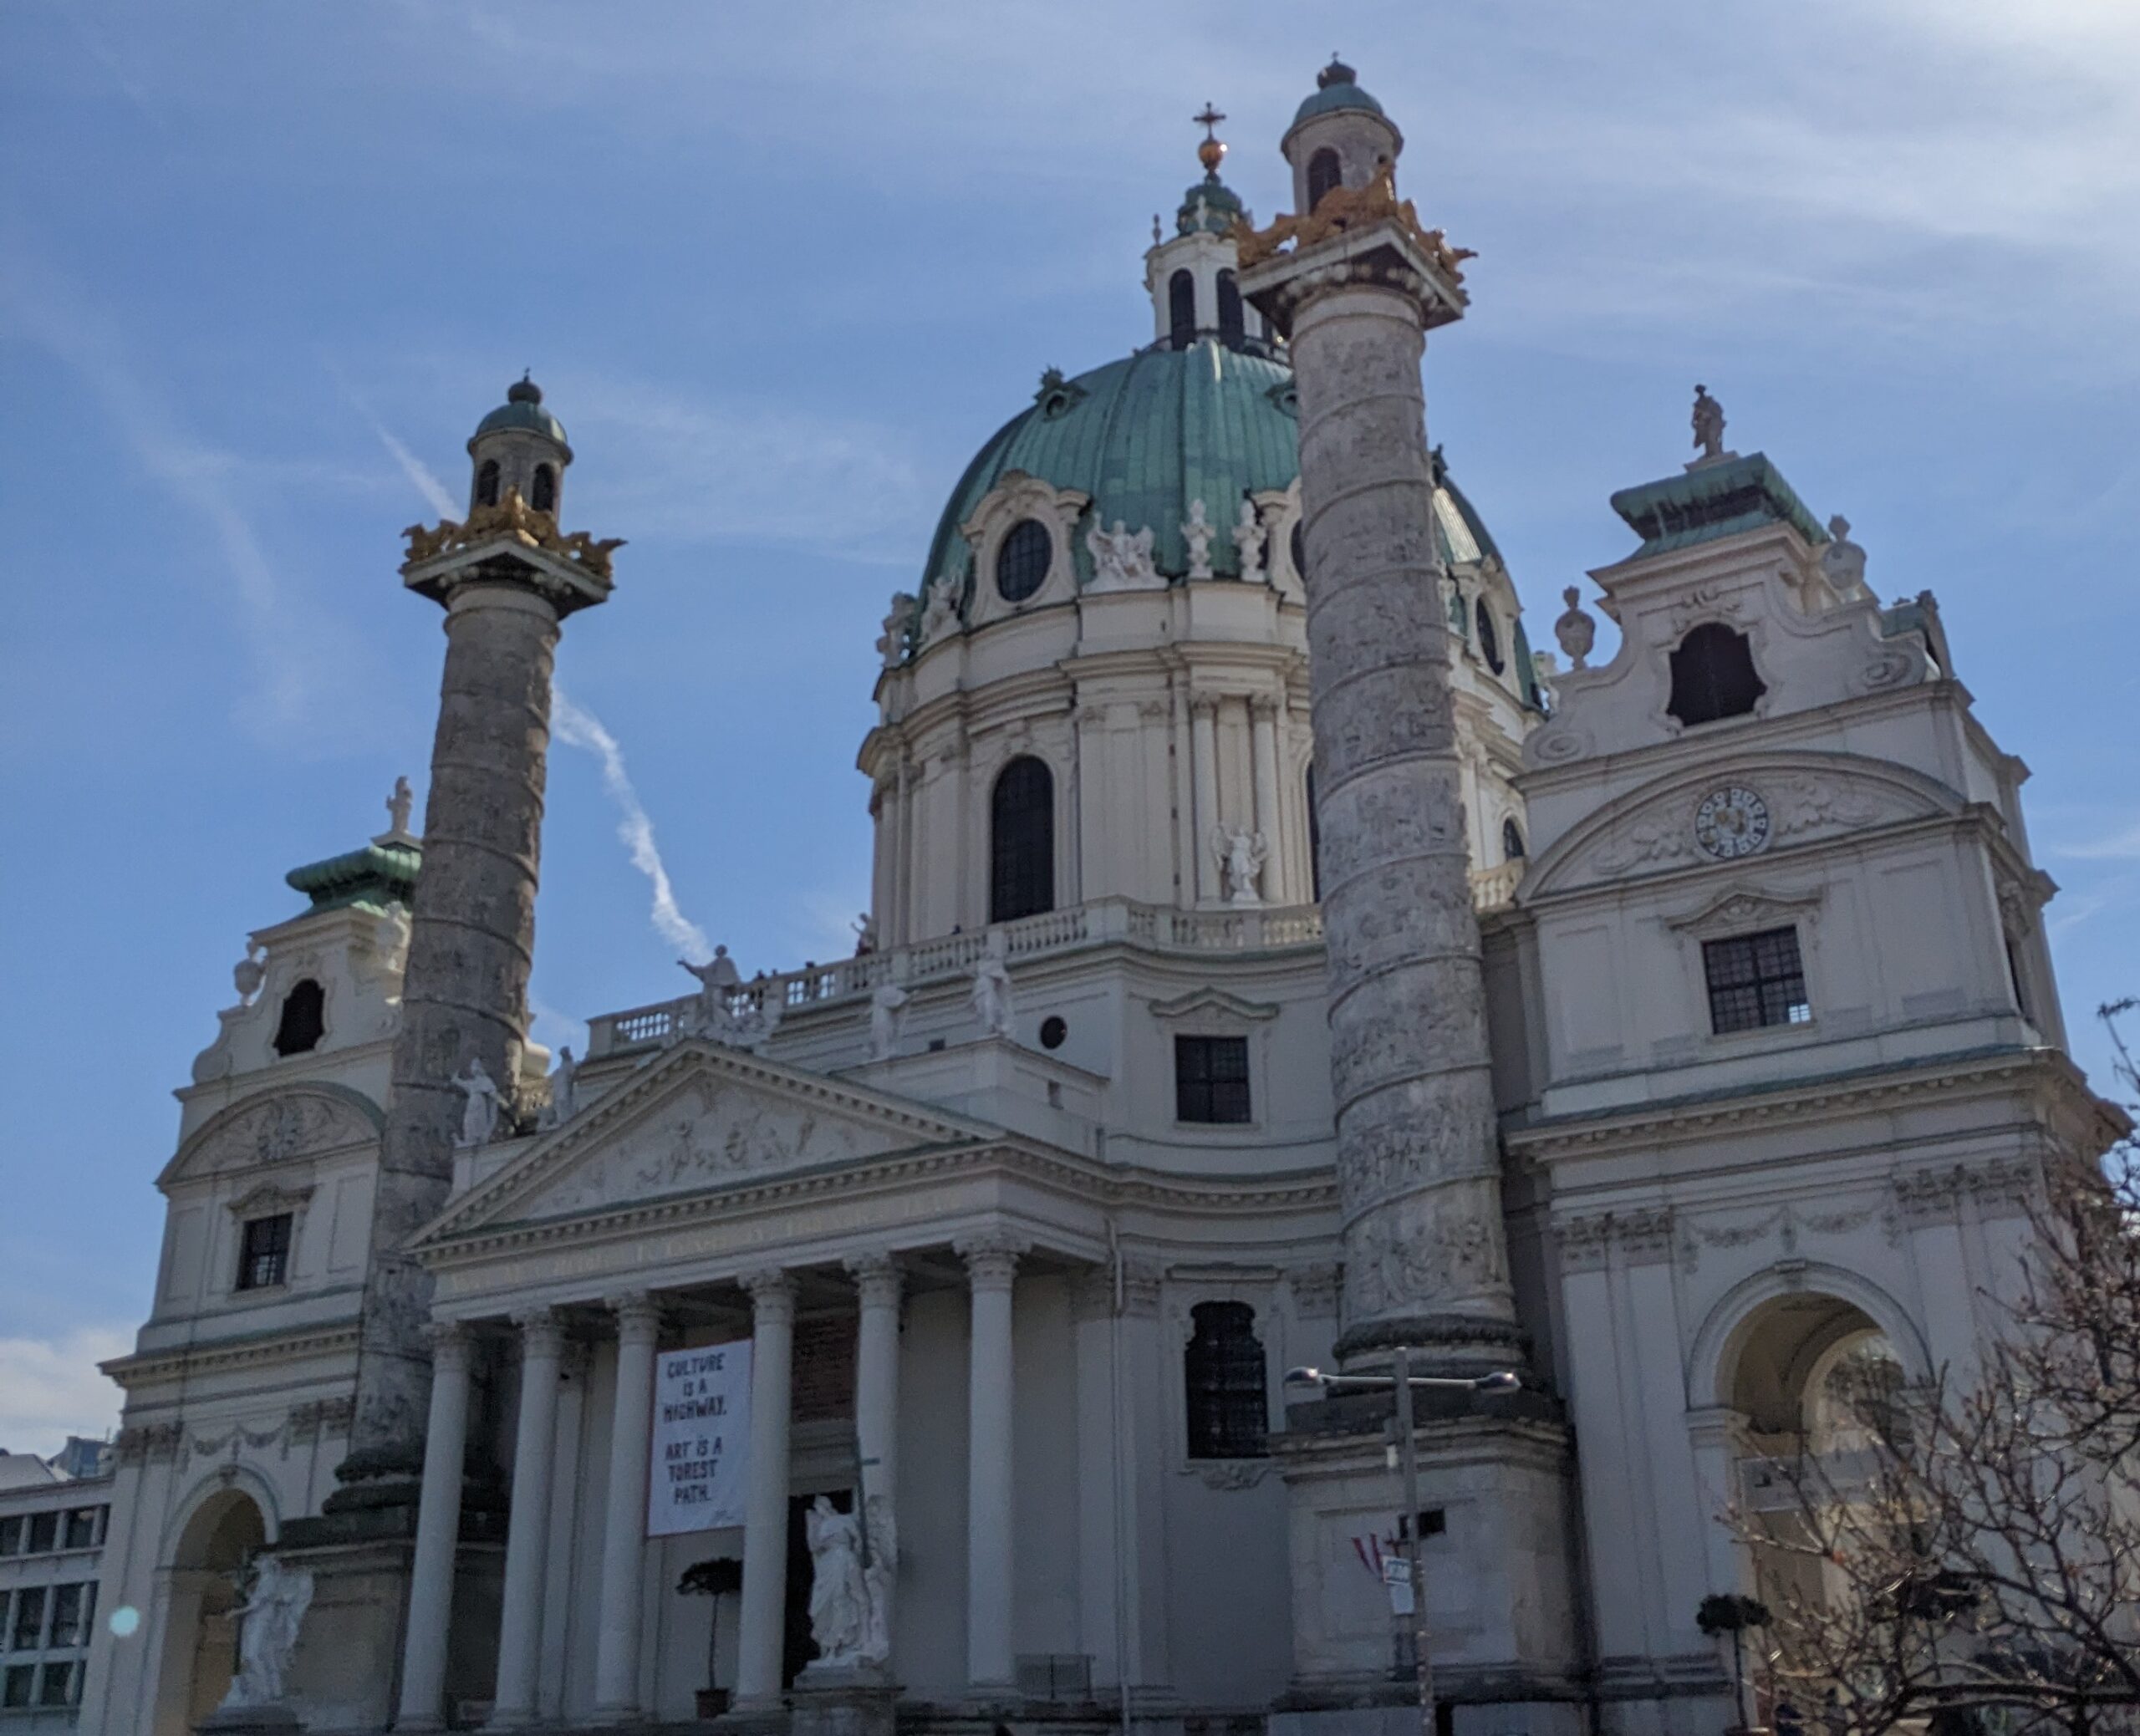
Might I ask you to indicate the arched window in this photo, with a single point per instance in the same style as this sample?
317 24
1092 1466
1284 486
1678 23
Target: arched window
304 1019
1489 639
1231 328
1296 546
1223 1372
1314 841
1324 172
1713 675
1021 841
1511 841
542 493
1021 562
1181 310
487 483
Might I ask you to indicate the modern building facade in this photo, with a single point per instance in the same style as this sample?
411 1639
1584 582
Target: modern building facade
1024 1211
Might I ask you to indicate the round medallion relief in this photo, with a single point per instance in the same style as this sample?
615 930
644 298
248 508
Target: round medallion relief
1732 822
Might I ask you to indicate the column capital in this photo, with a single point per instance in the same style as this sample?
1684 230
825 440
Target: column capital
877 1278
991 1258
1385 248
1204 705
542 1332
639 1316
771 1290
451 1342
1263 707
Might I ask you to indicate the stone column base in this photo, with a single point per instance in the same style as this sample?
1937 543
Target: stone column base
843 1701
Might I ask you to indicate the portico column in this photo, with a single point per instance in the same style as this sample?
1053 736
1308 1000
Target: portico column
438 1531
765 1512
991 1267
1263 740
520 1632
877 1281
1204 771
624 1533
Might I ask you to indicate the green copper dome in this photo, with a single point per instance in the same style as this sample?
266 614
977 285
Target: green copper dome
522 408
1334 89
1144 437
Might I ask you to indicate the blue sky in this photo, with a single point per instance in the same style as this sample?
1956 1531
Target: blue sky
781 270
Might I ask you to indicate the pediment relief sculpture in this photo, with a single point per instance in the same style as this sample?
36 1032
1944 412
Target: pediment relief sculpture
691 1125
1798 800
276 1129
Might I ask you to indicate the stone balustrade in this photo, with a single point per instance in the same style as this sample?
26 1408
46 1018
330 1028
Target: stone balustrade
1254 928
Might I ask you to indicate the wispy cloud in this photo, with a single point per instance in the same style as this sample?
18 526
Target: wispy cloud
51 1388
578 727
2118 846
420 475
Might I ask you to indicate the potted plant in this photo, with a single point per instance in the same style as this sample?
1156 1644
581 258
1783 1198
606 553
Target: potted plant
709 1579
1728 1612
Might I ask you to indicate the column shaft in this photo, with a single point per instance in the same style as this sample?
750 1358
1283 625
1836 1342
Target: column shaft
991 1560
438 1534
765 1521
877 1281
623 1534
1263 739
1204 738
520 1630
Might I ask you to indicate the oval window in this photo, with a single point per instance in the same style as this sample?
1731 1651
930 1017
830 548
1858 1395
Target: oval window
1021 562
1489 641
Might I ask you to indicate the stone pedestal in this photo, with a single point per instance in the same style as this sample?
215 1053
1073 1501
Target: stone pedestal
860 1701
274 1720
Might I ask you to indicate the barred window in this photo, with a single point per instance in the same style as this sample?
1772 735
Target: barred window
1223 1372
1210 1078
1755 980
1232 329
1181 310
1021 841
1022 562
263 1258
1324 173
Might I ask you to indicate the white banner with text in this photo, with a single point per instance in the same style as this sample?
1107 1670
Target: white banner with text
701 1439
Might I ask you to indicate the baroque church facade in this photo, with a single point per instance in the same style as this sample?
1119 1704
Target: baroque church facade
1272 962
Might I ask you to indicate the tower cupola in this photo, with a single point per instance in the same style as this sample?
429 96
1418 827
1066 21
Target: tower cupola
1191 273
519 444
1339 137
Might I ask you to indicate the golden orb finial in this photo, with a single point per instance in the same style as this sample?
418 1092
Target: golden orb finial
1212 151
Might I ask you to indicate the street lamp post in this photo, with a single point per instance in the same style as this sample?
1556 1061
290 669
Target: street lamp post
1402 1382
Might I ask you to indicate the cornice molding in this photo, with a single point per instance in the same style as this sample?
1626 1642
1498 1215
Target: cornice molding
143 1367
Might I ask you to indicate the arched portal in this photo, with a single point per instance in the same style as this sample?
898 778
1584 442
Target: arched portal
200 1648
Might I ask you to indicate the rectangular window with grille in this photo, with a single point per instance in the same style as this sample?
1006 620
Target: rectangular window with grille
1755 980
1210 1078
263 1259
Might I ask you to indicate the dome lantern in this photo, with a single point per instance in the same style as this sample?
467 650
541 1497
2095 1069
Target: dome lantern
519 445
1191 274
1339 137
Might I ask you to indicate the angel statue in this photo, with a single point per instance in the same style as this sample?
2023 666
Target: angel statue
876 1578
1240 852
268 1634
839 1599
479 1107
1122 559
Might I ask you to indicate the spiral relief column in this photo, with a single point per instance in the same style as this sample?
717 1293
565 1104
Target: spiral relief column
1425 1251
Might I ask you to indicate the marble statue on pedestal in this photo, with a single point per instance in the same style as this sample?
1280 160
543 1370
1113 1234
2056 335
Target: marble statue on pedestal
839 1599
270 1618
479 1109
1198 532
1248 541
1242 853
992 989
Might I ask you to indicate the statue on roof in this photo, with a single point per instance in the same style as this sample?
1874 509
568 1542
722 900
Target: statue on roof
1248 542
479 1107
1122 558
992 989
398 805
1198 532
1241 854
564 1092
1709 427
1842 561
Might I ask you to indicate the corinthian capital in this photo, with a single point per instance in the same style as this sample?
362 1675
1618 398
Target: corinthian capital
771 1290
991 1258
877 1278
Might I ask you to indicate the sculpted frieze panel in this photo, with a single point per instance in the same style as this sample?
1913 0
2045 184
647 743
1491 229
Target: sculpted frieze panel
276 1129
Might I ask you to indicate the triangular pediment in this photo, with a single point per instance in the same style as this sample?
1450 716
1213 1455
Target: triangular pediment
699 1118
